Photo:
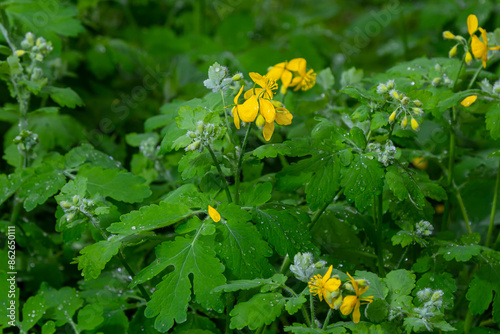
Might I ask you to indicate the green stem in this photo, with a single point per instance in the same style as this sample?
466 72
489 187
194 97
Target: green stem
311 306
238 168
458 73
217 165
321 210
475 76
284 265
229 129
493 209
462 208
73 325
379 202
329 314
468 322
304 312
451 167
229 307
402 257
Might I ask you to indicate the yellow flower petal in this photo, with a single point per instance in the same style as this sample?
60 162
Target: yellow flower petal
469 100
214 214
267 110
472 24
268 133
356 315
283 116
414 124
236 118
238 95
297 65
257 78
248 111
478 48
348 304
260 121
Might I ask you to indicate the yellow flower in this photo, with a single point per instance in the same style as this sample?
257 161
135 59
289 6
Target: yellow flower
268 86
280 71
214 214
414 124
420 163
283 117
325 287
352 303
469 100
305 80
472 24
480 49
249 109
235 109
468 57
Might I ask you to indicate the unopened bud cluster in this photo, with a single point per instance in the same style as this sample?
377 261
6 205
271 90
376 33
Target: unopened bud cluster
491 89
432 301
72 209
204 135
304 266
424 228
460 41
441 78
26 141
405 110
149 148
37 48
219 78
385 154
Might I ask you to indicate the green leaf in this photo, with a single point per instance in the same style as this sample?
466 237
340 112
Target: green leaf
49 327
362 180
90 317
256 194
170 301
61 304
377 287
282 230
362 95
403 186
377 310
267 284
188 117
33 310
174 139
325 79
493 121
241 245
460 253
439 281
94 257
10 183
195 163
294 304
357 136
150 217
272 150
38 189
86 153
400 283
262 309
115 183
136 139
480 293
413 325
65 97
379 119
324 183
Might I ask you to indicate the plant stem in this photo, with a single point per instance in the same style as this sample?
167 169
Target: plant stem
475 76
451 167
229 305
238 167
285 263
329 314
228 133
311 306
379 202
402 257
462 208
458 73
321 210
217 165
73 325
467 322
493 209
304 312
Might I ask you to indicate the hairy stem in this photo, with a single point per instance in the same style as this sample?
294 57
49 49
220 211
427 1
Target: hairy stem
311 306
462 208
451 167
327 320
379 202
493 209
475 76
238 167
321 210
217 165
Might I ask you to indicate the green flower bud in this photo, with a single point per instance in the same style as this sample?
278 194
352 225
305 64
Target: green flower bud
417 103
76 199
405 100
237 77
70 216
65 204
390 84
436 82
437 295
201 126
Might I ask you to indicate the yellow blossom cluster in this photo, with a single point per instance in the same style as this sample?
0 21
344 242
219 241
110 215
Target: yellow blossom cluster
293 73
347 297
478 47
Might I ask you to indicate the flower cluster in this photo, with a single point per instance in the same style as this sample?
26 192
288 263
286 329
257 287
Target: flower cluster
75 207
385 155
432 302
37 49
424 228
405 108
347 297
260 106
204 135
293 73
478 47
303 266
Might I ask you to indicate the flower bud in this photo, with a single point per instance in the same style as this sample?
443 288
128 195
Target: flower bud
260 121
436 82
39 57
320 264
191 134
468 58
37 73
277 104
381 88
392 117
404 122
417 111
201 126
65 204
437 67
405 100
30 38
390 84
417 103
448 35
414 124
348 286
20 53
395 94
237 77
76 199
337 303
437 295
453 52
70 216
362 282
